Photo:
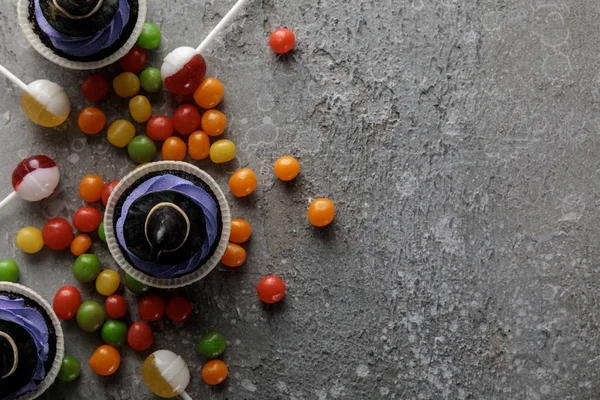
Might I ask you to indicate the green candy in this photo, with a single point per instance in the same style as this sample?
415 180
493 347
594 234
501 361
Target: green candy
135 286
90 316
69 369
101 233
211 345
150 37
86 268
114 332
151 80
141 149
9 271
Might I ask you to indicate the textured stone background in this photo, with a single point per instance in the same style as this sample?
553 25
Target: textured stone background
459 140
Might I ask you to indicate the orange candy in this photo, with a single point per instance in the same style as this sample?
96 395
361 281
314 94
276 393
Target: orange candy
214 372
198 145
173 149
243 182
106 360
287 168
209 93
321 212
90 188
81 244
234 255
91 120
240 231
213 122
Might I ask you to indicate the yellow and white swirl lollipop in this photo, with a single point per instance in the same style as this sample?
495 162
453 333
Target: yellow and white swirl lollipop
166 374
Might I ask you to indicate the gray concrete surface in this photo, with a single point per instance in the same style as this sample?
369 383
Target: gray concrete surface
459 141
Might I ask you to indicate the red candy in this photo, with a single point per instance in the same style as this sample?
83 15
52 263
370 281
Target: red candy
134 61
57 234
151 308
108 188
66 302
282 40
94 87
186 119
188 78
87 219
270 289
159 128
178 309
115 306
140 336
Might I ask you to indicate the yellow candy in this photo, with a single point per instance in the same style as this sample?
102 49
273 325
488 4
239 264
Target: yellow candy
120 133
140 108
126 84
107 282
222 151
29 239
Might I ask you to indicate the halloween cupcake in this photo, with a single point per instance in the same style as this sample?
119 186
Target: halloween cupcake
31 343
82 34
167 224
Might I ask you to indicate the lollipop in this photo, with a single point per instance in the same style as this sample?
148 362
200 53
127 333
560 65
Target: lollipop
183 69
166 374
44 102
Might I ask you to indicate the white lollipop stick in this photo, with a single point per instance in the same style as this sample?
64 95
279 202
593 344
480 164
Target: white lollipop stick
8 199
13 78
185 396
226 19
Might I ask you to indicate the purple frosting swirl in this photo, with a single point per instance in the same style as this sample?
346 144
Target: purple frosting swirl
200 196
33 322
85 46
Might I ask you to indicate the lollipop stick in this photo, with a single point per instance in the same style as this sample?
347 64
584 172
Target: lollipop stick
7 199
185 396
226 19
13 78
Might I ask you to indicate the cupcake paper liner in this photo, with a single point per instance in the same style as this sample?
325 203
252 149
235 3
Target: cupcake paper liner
115 249
60 341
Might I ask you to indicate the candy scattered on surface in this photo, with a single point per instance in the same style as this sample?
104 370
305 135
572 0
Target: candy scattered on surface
57 234
35 178
210 93
140 336
286 168
222 151
115 306
270 289
211 345
234 255
141 149
186 119
66 302
214 372
81 244
108 282
101 233
9 271
91 120
165 373
240 231
135 286
45 103
178 309
150 37
70 369
90 316
29 239
174 149
282 40
213 122
108 189
140 108
126 84
87 219
90 188
151 308
106 360
134 61
199 145
183 70
94 88
243 182
321 212
86 268
120 133
114 332
159 128
151 80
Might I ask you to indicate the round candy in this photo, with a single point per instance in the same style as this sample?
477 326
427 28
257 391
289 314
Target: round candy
222 151
134 61
140 108
87 219
115 306
69 369
94 87
108 282
126 84
270 289
159 128
286 168
321 212
173 149
86 268
186 119
30 240
141 149
150 37
183 70
101 233
114 332
90 188
211 345
106 360
120 133
209 93
199 145
9 271
91 120
57 234
135 286
166 374
151 308
140 336
234 255
178 309
90 316
240 231
282 40
108 189
35 178
66 302
214 372
151 80
45 103
80 244
243 182
213 122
